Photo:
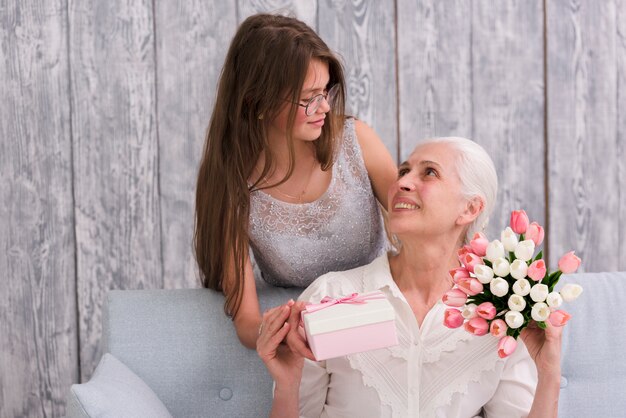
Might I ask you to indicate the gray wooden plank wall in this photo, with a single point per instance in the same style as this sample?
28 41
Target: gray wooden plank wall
106 105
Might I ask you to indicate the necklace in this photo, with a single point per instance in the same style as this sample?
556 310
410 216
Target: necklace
299 196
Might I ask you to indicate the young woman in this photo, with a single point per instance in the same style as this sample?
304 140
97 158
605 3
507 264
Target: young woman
284 171
443 194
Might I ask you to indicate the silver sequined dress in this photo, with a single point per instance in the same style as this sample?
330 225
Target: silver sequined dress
294 244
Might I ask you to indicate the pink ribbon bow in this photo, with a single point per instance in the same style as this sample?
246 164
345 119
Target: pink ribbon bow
354 298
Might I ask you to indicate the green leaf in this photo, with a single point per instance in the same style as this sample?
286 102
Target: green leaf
542 325
553 279
538 256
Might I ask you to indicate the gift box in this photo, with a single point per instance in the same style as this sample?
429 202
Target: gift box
348 325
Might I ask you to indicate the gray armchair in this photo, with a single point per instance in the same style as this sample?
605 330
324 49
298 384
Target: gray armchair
179 354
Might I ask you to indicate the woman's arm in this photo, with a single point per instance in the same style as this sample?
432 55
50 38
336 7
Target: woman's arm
248 316
544 348
291 373
527 389
380 167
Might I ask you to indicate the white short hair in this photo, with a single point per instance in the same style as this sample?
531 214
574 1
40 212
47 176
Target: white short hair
478 177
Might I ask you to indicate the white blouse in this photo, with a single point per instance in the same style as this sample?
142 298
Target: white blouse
433 372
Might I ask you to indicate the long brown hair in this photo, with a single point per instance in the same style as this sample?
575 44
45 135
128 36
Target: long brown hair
265 67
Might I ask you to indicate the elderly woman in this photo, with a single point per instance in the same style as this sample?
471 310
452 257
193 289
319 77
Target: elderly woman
443 194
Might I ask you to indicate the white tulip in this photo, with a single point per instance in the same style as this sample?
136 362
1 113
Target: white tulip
554 300
540 312
501 267
483 273
517 303
495 250
509 239
514 319
469 311
499 287
570 292
539 292
524 250
519 268
521 287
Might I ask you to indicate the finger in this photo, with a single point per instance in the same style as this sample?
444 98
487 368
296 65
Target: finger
295 340
298 345
296 313
272 332
276 319
267 325
280 335
273 310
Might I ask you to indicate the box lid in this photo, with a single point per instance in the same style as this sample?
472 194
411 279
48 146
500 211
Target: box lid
375 308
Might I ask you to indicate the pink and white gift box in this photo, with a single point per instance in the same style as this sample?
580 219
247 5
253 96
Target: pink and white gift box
348 325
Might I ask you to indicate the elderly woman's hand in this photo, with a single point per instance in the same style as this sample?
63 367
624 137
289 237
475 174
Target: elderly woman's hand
284 365
295 337
544 347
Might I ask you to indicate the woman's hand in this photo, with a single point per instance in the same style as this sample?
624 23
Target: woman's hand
295 337
284 365
544 347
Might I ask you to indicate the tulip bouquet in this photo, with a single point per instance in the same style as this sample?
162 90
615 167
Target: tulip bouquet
502 285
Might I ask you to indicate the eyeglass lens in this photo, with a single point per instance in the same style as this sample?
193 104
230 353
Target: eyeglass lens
316 101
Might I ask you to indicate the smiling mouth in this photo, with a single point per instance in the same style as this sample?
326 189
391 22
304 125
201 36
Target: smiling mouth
403 205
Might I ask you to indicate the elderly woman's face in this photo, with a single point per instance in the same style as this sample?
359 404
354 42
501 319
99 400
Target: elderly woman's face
426 198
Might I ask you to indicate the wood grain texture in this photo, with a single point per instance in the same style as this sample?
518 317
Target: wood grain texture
434 77
115 158
99 143
362 33
38 343
508 103
305 10
620 156
192 40
583 170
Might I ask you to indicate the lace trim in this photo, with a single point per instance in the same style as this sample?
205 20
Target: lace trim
481 358
377 376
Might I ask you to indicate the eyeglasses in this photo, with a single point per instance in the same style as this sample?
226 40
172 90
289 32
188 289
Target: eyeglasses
314 102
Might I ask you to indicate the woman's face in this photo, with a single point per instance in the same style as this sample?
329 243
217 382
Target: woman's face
426 198
305 128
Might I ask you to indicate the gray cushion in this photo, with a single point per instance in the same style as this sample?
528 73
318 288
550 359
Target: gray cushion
184 347
114 391
593 365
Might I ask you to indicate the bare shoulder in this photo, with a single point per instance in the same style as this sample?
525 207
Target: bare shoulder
365 134
371 145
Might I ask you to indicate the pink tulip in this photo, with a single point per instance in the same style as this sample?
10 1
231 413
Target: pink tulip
452 318
506 346
535 233
537 270
470 286
569 263
519 221
479 244
559 318
454 297
459 273
466 249
498 328
470 260
477 326
486 310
